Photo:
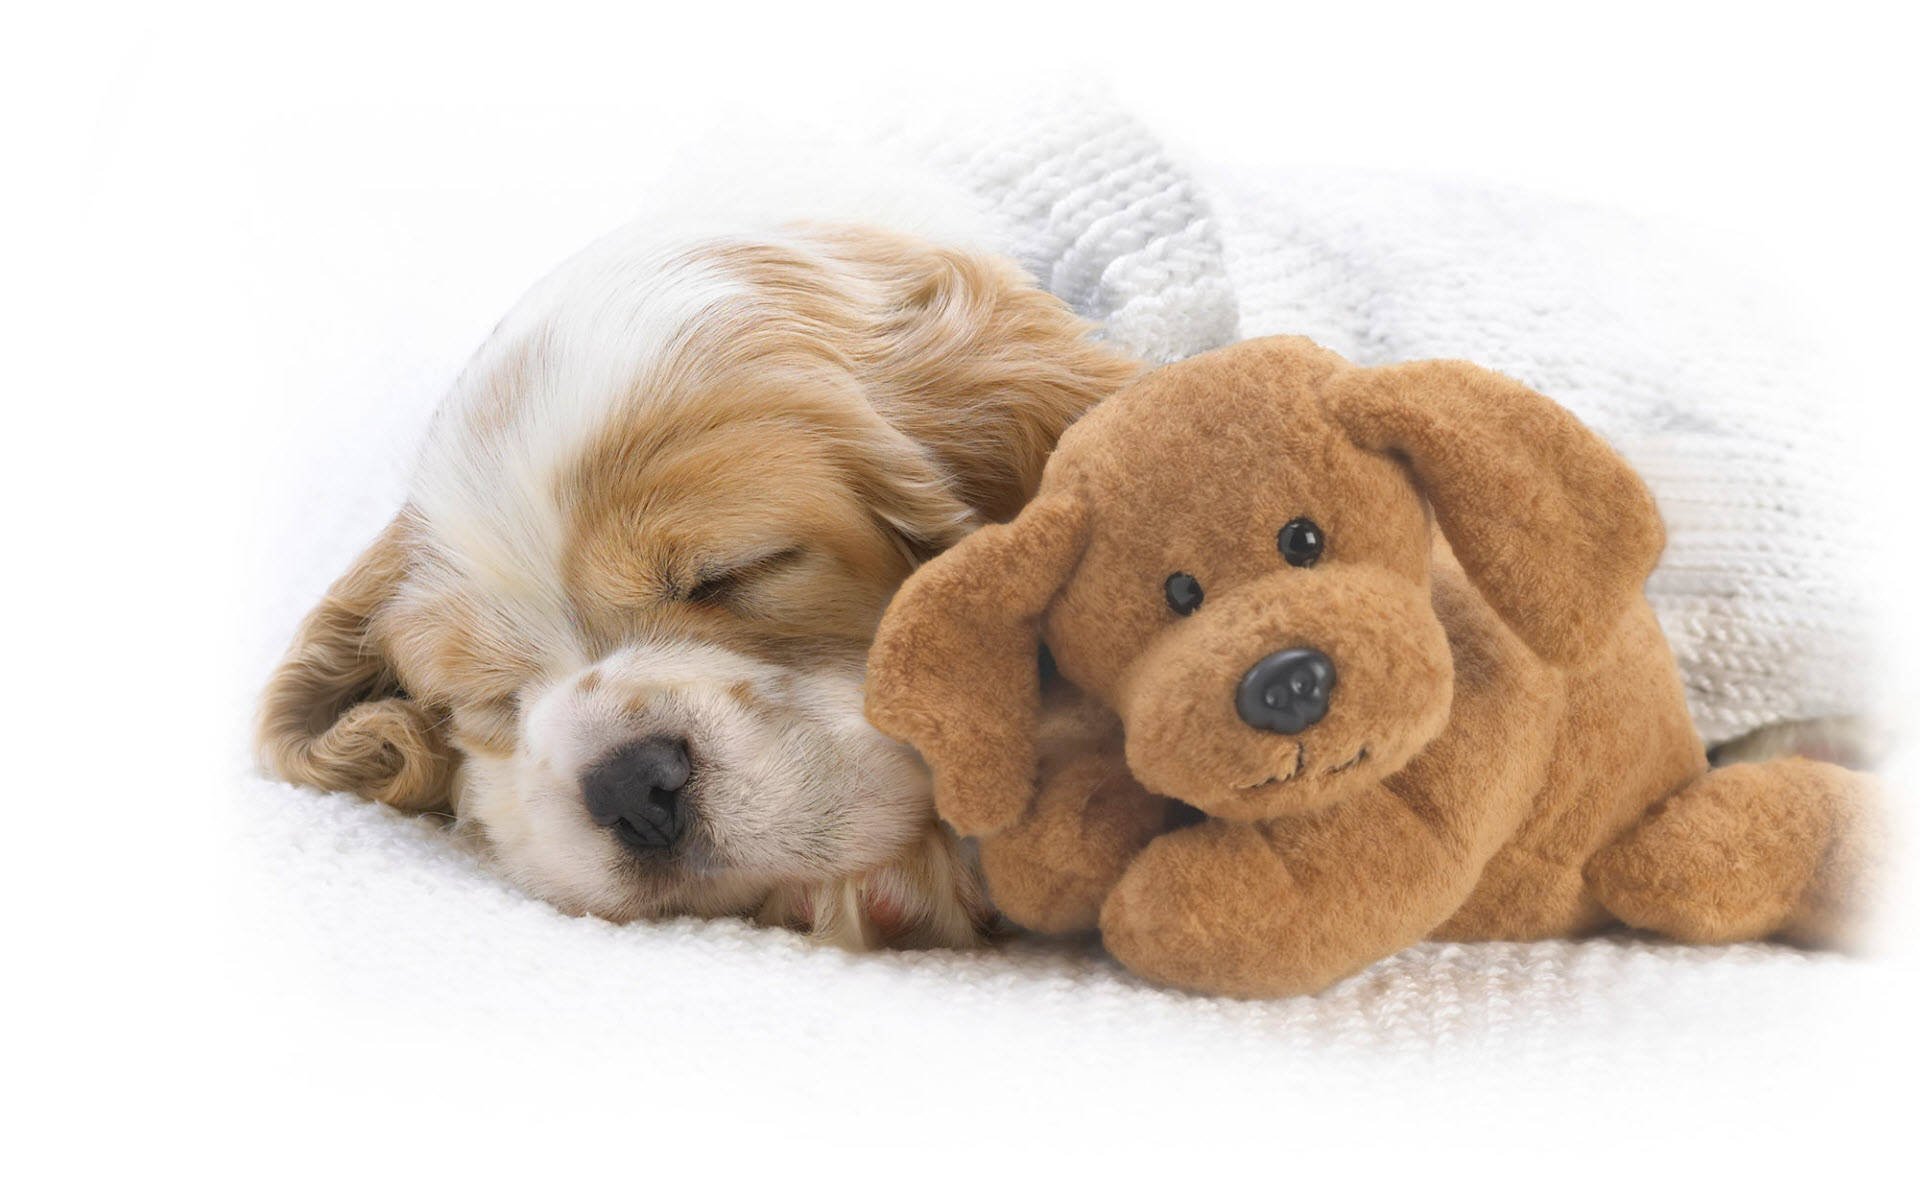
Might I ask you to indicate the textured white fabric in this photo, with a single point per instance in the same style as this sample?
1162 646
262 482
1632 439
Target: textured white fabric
343 903
1105 220
395 909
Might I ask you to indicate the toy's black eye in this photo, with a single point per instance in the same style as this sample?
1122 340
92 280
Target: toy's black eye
1183 593
1301 542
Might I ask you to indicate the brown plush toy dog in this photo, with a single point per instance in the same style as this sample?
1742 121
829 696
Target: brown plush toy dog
1393 732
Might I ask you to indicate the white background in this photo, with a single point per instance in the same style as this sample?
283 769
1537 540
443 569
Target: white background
154 161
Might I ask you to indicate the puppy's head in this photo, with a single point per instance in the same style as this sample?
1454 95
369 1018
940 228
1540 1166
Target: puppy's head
1235 554
620 626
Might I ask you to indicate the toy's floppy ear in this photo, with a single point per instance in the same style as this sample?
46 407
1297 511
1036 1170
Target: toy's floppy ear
1555 529
955 666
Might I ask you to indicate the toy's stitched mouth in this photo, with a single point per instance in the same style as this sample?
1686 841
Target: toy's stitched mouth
1355 761
1300 766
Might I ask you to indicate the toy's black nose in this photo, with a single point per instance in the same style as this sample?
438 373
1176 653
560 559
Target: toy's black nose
636 792
1286 691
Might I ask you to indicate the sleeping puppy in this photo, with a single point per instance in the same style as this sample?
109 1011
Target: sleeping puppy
619 627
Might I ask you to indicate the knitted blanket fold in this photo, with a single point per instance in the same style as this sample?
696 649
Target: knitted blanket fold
1105 220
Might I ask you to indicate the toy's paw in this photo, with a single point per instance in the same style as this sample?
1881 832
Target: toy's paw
1050 872
976 810
1788 848
1214 908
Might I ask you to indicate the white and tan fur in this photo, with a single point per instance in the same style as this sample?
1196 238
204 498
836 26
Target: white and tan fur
671 495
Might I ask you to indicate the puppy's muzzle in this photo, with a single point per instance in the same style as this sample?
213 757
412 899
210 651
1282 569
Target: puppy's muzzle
636 792
1286 691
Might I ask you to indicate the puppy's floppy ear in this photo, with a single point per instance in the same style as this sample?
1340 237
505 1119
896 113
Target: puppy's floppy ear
955 667
974 362
1555 529
909 494
334 716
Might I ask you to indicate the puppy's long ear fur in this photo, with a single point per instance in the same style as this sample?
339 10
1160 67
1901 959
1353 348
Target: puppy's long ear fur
1555 529
972 362
955 667
334 716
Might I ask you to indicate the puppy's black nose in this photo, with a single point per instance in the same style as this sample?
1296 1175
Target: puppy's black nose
636 792
1286 691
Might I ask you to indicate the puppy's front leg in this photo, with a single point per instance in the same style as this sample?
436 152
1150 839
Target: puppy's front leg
1286 907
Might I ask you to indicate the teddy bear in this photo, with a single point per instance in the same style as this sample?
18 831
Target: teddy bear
1348 658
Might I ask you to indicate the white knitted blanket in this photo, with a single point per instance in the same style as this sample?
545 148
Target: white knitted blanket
377 934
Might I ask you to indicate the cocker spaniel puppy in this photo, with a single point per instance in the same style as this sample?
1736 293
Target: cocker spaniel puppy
619 627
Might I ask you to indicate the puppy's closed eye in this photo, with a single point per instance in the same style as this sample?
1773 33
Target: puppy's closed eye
722 584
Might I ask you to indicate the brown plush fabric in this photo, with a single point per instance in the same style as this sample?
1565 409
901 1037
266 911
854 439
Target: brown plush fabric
1496 744
1089 819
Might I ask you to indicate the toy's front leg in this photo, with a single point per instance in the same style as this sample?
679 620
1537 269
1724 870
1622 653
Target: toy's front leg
1051 871
1286 907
